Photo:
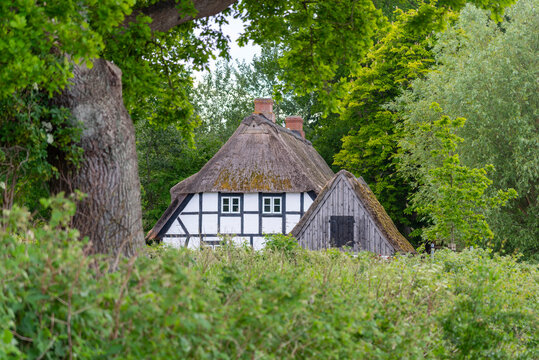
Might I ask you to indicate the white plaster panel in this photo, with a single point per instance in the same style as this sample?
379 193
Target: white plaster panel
209 223
272 225
174 242
191 223
209 202
175 228
291 221
250 202
307 202
194 242
250 224
192 205
258 243
293 202
230 225
212 238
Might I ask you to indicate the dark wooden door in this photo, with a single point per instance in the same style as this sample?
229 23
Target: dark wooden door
341 231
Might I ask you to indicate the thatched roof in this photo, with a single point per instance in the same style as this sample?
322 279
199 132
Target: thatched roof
371 204
260 156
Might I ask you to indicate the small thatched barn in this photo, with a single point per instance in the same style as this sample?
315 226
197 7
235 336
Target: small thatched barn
260 182
347 213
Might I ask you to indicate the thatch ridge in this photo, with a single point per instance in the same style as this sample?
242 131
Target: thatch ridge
372 205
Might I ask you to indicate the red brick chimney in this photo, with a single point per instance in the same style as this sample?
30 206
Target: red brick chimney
265 107
295 123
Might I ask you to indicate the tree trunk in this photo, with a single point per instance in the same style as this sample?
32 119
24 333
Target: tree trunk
111 213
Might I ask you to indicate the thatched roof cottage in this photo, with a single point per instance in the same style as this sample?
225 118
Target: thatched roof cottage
261 181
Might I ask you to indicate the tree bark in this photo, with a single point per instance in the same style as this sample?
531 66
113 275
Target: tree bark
165 15
111 213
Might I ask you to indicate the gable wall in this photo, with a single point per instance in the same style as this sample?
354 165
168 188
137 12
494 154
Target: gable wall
202 219
341 200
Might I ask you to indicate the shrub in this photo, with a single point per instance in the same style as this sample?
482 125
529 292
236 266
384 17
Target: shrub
57 302
280 242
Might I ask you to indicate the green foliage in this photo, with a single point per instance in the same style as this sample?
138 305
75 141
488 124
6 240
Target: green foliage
478 320
451 196
370 144
370 140
157 68
324 42
34 138
59 302
487 73
280 242
38 40
321 40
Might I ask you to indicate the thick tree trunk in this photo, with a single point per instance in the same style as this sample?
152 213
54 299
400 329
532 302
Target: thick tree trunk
111 214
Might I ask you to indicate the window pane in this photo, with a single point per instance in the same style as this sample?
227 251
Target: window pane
267 208
235 208
226 208
226 201
276 205
236 201
267 201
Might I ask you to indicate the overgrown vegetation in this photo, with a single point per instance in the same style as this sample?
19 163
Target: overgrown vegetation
58 302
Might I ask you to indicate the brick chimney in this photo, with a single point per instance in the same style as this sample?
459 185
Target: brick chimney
295 123
265 107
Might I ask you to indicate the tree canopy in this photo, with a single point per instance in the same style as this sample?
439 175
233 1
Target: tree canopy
343 60
487 73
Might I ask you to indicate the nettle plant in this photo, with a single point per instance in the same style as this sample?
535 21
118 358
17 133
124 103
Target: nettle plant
451 196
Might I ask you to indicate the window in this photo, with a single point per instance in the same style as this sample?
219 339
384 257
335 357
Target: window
341 231
230 204
271 205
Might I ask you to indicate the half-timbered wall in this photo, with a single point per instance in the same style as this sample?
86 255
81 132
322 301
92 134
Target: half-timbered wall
341 200
201 218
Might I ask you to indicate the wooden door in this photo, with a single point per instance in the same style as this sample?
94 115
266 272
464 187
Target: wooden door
341 231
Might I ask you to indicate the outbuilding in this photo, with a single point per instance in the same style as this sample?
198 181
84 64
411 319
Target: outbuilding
346 213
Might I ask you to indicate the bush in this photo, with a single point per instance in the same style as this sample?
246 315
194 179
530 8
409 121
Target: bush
283 243
56 302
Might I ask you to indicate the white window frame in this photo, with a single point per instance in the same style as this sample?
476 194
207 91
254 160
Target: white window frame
272 205
230 205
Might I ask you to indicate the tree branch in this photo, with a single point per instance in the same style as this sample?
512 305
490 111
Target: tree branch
165 15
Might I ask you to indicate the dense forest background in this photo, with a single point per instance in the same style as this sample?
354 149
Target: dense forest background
423 109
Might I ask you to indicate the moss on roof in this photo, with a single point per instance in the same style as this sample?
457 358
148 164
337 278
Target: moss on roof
372 205
260 156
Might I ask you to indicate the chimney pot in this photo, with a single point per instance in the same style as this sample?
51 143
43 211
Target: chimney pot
265 107
295 124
